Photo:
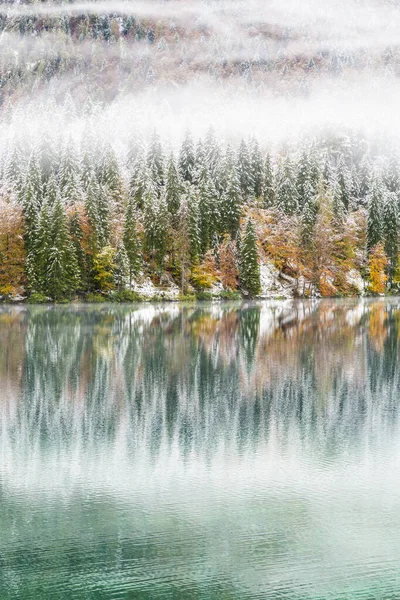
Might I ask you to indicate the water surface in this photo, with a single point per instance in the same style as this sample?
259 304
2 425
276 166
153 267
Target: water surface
200 452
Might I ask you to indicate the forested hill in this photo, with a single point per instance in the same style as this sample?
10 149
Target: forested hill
77 220
218 147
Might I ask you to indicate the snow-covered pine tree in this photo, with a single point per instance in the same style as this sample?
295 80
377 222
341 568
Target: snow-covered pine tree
286 191
390 228
76 233
392 174
96 208
69 168
15 170
303 178
33 179
155 162
47 159
268 183
121 269
132 242
374 218
193 226
187 159
231 205
62 270
31 209
308 220
173 188
343 178
139 181
244 170
257 168
208 210
199 162
110 176
213 155
338 208
249 263
52 190
37 276
155 225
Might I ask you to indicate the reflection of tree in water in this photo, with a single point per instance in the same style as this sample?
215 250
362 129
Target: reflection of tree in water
198 377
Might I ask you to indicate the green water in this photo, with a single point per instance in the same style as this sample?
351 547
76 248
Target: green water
202 452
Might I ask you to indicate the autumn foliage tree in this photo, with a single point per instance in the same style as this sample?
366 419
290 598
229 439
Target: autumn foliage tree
12 251
377 269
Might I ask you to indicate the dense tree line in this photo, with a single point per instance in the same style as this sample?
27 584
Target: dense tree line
88 220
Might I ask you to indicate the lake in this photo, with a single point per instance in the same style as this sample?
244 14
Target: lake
209 451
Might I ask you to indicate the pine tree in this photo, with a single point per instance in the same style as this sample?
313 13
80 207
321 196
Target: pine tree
249 265
155 224
187 159
268 183
343 181
374 221
97 211
286 191
139 182
132 243
31 208
193 223
62 272
76 233
257 168
110 175
208 210
308 220
173 188
212 156
231 205
390 232
155 162
121 270
338 208
244 169
69 168
392 175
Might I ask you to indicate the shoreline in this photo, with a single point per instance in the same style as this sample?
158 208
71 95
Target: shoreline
190 300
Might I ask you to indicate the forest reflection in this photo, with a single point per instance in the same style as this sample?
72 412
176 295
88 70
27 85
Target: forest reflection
168 385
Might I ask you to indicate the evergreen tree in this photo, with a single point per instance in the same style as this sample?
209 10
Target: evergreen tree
139 181
173 188
257 168
343 181
392 174
69 168
244 169
62 272
131 242
155 162
338 208
212 155
231 205
121 269
286 191
155 224
193 224
76 233
268 183
374 221
249 265
390 232
187 159
97 211
110 176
